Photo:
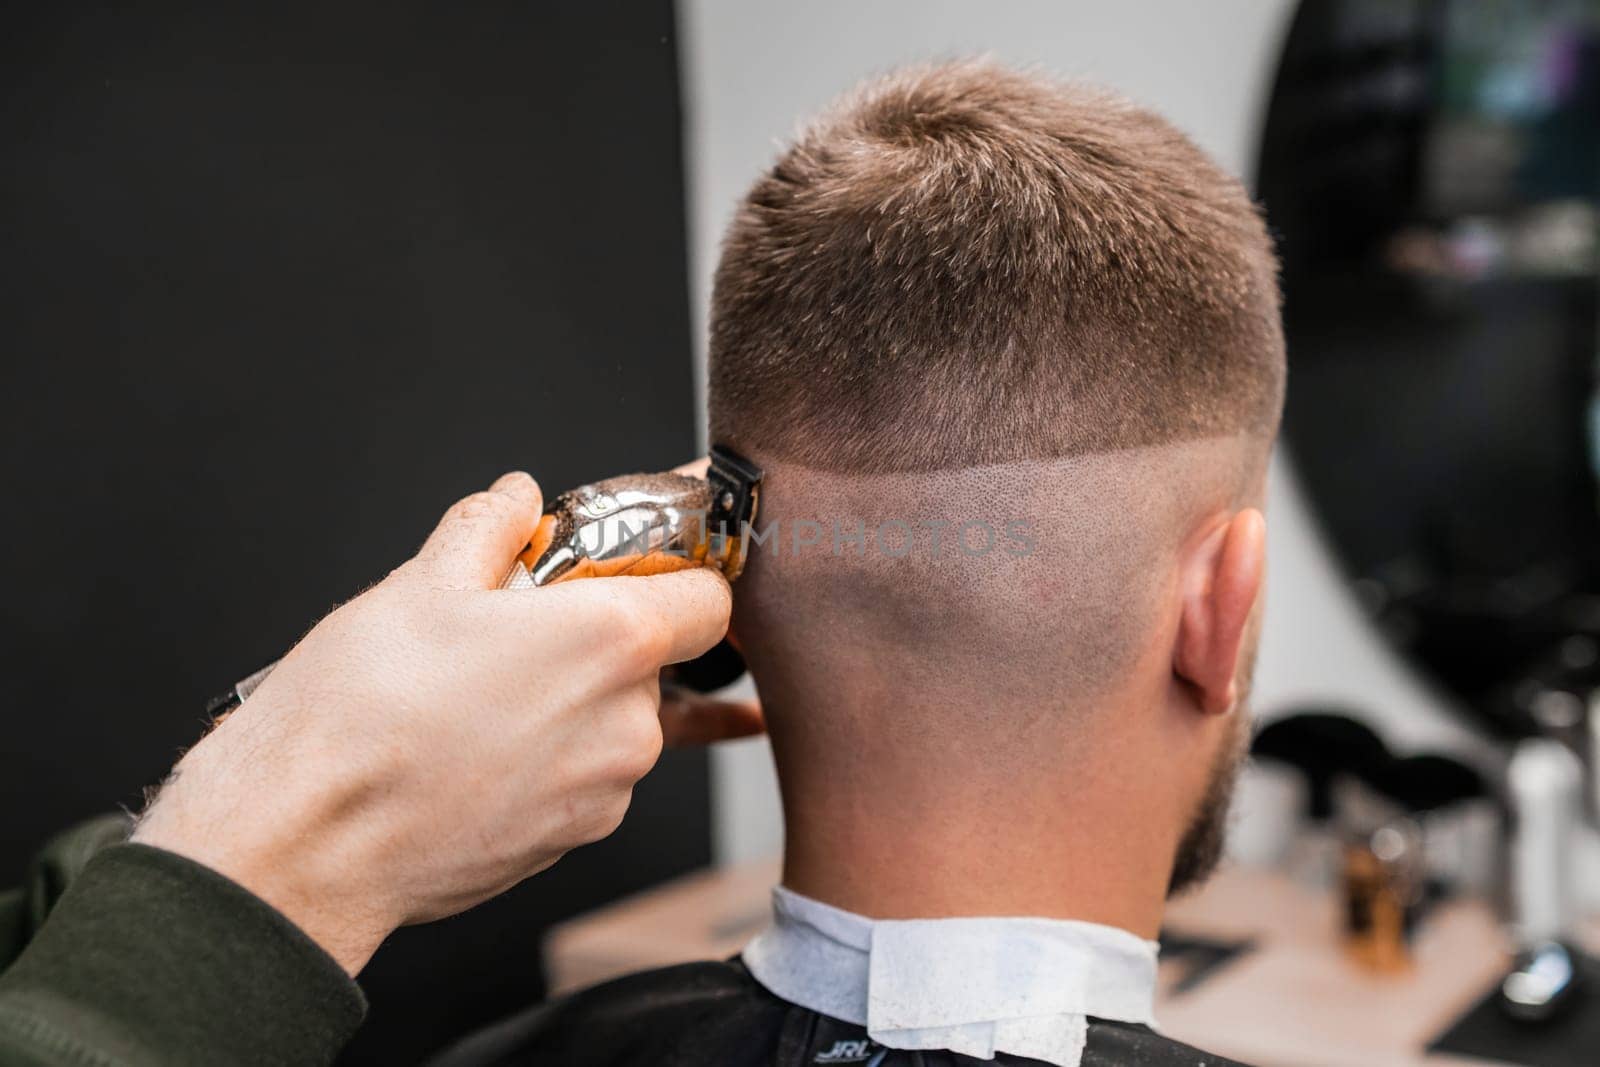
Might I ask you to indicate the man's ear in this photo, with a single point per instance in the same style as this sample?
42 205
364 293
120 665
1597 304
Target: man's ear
1221 577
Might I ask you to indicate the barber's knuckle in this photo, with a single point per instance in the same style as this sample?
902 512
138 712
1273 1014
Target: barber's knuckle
655 640
600 817
629 732
642 742
612 812
643 640
628 634
581 829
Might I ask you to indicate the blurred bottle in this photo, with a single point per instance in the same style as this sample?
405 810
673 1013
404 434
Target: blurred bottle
1545 789
1383 877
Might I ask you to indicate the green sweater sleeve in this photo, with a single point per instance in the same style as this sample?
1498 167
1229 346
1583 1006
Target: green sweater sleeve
121 954
23 909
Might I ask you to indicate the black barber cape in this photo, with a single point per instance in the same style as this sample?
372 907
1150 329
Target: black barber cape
716 1015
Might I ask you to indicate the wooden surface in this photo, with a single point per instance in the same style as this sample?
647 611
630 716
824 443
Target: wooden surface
1296 998
1293 1000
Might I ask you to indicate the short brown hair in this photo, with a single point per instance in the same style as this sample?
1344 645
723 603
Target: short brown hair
963 264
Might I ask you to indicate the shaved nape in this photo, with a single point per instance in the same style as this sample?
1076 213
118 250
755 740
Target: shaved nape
1032 583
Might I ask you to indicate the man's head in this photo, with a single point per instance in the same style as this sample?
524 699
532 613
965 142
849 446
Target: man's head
1014 349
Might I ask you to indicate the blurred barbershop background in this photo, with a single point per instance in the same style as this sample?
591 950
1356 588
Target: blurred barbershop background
281 281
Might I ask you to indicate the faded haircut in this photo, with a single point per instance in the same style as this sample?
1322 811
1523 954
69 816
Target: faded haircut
960 264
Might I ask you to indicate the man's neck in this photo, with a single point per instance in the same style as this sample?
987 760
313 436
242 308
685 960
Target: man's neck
910 838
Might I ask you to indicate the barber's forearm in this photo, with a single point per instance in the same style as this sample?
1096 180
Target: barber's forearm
149 958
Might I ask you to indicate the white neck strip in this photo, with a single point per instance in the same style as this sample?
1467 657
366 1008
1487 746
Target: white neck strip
1026 987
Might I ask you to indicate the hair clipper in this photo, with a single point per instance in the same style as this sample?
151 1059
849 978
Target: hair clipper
645 524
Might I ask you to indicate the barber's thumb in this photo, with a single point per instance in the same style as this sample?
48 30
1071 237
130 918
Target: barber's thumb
476 542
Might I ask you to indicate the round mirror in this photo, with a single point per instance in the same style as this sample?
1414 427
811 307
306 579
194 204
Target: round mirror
1432 171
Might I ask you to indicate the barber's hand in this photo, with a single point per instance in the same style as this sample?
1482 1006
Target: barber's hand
437 740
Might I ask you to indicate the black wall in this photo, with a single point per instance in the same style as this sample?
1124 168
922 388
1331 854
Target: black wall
279 283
